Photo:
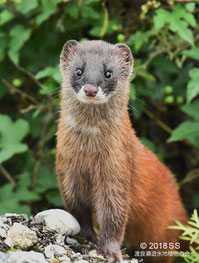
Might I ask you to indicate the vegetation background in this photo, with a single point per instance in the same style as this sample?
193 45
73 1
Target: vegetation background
164 101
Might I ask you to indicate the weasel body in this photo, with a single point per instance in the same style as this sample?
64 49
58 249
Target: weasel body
103 169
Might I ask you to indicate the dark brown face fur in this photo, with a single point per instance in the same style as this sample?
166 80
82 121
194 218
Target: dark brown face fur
97 64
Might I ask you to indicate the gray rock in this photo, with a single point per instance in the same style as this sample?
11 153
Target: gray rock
3 257
58 220
26 257
20 236
72 241
54 250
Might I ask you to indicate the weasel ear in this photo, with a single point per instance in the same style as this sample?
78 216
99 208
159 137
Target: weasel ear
69 47
125 53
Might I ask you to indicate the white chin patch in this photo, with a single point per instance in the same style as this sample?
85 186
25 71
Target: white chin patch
100 97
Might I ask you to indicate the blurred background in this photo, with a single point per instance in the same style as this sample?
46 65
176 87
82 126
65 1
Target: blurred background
164 101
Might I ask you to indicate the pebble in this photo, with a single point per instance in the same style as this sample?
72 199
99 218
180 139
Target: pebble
20 236
26 257
81 261
3 228
58 220
93 253
49 231
72 241
64 259
51 251
60 240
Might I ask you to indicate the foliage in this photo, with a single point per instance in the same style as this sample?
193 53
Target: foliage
164 104
191 234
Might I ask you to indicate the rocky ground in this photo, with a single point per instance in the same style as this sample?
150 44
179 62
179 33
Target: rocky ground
49 237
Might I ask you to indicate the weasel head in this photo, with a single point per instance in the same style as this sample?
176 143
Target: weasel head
95 71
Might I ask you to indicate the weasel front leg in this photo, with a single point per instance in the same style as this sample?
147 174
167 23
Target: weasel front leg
111 210
76 206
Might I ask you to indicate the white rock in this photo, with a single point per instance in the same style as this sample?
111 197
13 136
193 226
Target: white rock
3 233
21 236
64 259
54 250
26 257
81 261
8 242
59 220
3 229
60 240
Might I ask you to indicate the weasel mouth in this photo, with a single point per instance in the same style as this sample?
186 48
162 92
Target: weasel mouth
91 94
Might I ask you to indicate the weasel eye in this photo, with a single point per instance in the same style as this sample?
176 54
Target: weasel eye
108 74
79 72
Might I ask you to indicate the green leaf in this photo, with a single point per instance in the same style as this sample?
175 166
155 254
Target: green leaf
142 72
89 12
26 6
191 53
180 27
11 135
48 71
54 198
193 85
177 20
72 9
19 35
9 202
161 18
190 6
3 45
192 109
139 38
44 185
95 31
47 10
5 16
184 130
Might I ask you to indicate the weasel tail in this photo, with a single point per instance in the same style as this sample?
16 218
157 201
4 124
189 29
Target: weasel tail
104 171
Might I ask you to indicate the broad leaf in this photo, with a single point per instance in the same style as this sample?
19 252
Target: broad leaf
184 130
19 35
192 109
50 72
47 10
11 135
25 6
190 6
178 21
191 53
5 16
193 85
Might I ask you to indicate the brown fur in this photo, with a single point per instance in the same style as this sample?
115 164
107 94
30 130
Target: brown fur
104 169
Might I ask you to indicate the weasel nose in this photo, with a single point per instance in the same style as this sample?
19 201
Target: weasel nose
90 91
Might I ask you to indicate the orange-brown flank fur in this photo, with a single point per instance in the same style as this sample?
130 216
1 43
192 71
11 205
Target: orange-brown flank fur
104 170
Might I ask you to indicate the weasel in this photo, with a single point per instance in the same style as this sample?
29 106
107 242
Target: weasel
103 169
